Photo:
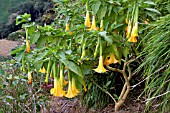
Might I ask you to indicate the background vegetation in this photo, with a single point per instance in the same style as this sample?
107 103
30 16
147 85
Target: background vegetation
146 62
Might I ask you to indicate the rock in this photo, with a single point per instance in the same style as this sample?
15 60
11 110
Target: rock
6 46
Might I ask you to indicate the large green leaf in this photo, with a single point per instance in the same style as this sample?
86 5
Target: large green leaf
42 55
102 12
41 41
34 37
95 7
38 65
107 38
21 48
72 66
125 51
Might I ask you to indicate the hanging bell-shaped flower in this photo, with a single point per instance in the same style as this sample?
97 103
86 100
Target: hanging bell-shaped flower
93 26
57 90
87 20
111 60
27 46
100 68
42 70
134 33
29 78
70 92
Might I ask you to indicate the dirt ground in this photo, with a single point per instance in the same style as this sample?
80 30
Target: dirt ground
6 46
63 105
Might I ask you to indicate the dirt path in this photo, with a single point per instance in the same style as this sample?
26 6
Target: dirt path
6 46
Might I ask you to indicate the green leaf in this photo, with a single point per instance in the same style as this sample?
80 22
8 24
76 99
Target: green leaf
61 55
1 71
149 3
89 85
31 30
19 56
116 52
72 66
108 83
153 10
101 13
107 38
78 78
22 97
125 51
34 37
68 51
42 55
114 26
95 7
38 65
21 48
41 41
10 97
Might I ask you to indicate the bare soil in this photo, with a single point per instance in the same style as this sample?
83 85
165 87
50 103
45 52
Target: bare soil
6 46
63 105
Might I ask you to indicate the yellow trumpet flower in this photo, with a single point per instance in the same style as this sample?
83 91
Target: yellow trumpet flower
68 28
84 87
100 68
29 78
132 39
27 46
126 20
42 70
87 21
147 21
128 29
57 90
65 82
135 30
74 89
111 60
134 33
70 92
93 26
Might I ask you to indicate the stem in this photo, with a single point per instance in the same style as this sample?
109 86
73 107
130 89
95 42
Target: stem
126 87
125 91
26 30
136 14
133 13
129 78
114 69
48 70
69 77
23 62
54 70
97 46
100 46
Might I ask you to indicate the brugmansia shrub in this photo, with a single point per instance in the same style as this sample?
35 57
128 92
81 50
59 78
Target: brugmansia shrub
78 45
156 63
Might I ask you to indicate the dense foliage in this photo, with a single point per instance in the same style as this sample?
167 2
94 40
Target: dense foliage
96 48
39 10
156 63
